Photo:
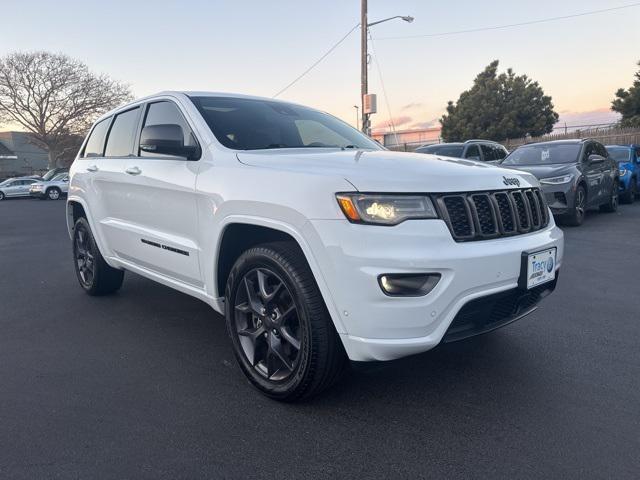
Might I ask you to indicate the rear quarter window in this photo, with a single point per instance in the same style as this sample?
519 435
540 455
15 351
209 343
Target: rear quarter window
122 134
95 143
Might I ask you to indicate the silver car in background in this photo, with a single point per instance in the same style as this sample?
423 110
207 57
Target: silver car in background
16 187
51 189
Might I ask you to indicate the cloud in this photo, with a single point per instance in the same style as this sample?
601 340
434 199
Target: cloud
397 121
411 105
428 124
590 117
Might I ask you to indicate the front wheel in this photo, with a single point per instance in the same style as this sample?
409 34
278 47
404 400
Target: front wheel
282 335
95 276
1 196
612 204
629 195
576 216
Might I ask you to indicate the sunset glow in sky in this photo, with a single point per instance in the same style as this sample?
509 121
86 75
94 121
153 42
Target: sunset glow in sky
257 47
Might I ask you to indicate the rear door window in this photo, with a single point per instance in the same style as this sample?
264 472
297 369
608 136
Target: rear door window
122 134
473 153
95 143
488 153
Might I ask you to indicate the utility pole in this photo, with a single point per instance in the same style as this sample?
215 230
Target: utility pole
364 87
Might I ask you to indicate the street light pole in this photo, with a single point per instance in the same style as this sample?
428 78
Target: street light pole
364 81
364 87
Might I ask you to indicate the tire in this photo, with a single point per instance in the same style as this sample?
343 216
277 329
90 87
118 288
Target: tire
53 193
577 214
612 204
629 195
95 276
1 196
264 285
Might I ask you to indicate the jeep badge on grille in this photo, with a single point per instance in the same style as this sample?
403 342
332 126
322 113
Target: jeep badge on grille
511 181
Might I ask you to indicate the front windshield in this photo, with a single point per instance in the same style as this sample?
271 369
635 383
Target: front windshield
49 175
543 154
253 124
444 150
620 155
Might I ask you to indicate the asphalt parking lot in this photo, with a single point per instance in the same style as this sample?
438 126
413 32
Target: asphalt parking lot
143 384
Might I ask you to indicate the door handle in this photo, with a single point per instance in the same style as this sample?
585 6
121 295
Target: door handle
133 171
92 168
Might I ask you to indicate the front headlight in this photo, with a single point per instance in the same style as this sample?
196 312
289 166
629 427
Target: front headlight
556 180
623 172
383 209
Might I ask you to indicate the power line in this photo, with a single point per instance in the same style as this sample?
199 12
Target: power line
313 65
384 90
511 25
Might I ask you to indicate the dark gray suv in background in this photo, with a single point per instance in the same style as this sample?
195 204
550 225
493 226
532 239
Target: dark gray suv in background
574 174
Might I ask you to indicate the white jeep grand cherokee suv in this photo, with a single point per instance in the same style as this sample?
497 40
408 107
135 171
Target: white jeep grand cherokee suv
316 244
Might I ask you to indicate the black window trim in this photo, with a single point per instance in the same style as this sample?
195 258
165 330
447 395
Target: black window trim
147 106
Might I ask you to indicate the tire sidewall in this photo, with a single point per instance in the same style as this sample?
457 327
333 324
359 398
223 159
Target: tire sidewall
260 258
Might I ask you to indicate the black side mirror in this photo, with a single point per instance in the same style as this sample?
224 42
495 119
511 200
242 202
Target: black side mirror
595 159
167 139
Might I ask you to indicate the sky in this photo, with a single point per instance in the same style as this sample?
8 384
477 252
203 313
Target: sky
257 47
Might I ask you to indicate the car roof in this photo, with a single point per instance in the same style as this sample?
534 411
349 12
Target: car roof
190 93
572 141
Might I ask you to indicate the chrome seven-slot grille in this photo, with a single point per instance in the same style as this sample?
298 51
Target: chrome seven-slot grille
484 215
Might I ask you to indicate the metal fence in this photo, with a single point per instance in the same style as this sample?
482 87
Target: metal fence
606 134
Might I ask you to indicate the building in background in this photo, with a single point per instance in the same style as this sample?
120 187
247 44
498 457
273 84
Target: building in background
18 156
407 139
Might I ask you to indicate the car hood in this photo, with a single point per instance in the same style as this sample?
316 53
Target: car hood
545 171
385 171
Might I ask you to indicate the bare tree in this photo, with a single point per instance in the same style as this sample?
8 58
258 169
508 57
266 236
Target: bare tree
55 98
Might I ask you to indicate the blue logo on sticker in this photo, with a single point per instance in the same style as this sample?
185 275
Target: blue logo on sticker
549 264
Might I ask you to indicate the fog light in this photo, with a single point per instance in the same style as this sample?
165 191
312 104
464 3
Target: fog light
408 284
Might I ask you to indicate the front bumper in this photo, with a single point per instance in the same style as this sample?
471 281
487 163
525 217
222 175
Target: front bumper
374 326
560 198
37 193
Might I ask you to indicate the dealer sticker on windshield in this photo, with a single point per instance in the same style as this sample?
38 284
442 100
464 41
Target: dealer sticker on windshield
541 267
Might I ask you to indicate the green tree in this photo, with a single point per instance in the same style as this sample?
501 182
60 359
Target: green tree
498 107
627 103
55 98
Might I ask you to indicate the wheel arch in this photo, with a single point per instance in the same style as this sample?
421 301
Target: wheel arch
240 233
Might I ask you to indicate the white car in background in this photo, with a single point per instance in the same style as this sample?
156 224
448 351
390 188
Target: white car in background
51 189
316 243
16 187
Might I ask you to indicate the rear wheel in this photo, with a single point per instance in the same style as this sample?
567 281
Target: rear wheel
1 196
612 204
576 216
282 335
95 276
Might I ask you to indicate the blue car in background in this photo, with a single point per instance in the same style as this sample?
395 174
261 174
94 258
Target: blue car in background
628 158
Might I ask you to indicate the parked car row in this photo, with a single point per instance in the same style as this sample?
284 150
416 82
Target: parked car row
575 175
52 186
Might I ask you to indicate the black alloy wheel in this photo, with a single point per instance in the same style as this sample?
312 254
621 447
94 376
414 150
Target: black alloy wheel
267 322
85 261
576 217
282 334
94 274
